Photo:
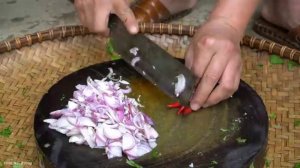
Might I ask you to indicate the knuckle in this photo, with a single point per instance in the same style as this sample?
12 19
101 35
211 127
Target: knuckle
197 71
231 47
211 78
229 88
206 41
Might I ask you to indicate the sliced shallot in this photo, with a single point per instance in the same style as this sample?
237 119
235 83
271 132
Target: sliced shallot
101 115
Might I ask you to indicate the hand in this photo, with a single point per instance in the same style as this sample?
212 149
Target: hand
214 56
94 14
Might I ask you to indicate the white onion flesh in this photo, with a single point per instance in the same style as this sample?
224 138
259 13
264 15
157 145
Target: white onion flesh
134 51
135 60
101 115
179 85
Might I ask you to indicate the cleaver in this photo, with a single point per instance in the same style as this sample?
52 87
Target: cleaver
154 63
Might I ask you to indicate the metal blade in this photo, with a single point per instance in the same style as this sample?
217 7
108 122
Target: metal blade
155 64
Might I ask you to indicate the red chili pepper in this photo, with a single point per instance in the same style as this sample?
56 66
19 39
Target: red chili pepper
187 111
174 105
180 110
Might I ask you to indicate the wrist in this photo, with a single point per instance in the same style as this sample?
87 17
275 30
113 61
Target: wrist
236 28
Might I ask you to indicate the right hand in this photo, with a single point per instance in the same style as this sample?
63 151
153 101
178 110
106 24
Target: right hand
94 14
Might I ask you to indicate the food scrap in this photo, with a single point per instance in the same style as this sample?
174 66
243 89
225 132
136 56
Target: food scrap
133 164
6 132
182 110
101 115
179 85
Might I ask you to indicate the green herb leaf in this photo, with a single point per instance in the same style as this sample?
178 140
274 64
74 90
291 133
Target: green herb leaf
260 65
278 126
225 138
292 65
6 132
224 130
1 164
297 165
267 163
252 165
20 144
155 154
275 59
111 52
241 140
109 47
272 116
213 162
17 165
133 164
1 119
297 123
63 97
115 57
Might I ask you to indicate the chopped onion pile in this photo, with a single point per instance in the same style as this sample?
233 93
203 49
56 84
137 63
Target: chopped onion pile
101 115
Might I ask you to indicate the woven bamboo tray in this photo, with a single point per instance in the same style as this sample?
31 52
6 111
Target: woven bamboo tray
28 72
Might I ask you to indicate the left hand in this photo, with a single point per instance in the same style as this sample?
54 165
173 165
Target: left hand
214 56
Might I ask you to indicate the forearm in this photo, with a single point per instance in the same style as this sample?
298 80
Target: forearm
236 13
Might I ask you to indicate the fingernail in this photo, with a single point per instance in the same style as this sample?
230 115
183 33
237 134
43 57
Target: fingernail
195 106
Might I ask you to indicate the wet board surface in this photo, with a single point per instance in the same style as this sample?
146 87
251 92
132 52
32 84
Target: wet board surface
230 134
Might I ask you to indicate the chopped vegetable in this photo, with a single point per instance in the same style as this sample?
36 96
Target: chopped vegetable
155 154
17 165
25 90
111 52
225 137
241 140
186 111
1 119
292 65
101 115
297 123
252 165
115 57
267 163
135 60
6 132
63 97
174 105
224 130
179 85
20 144
133 164
182 110
275 59
297 165
214 162
134 51
260 65
277 126
272 116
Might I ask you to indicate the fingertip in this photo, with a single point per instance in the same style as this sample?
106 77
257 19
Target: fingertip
195 106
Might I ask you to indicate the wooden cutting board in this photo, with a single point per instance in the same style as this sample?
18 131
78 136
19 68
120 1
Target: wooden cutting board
230 134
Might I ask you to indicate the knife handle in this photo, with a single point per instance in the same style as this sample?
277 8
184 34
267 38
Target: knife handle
251 41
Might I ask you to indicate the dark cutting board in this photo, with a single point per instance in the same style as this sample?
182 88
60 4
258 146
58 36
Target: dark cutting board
211 137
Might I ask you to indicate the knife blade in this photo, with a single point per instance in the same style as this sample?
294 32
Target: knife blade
152 62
